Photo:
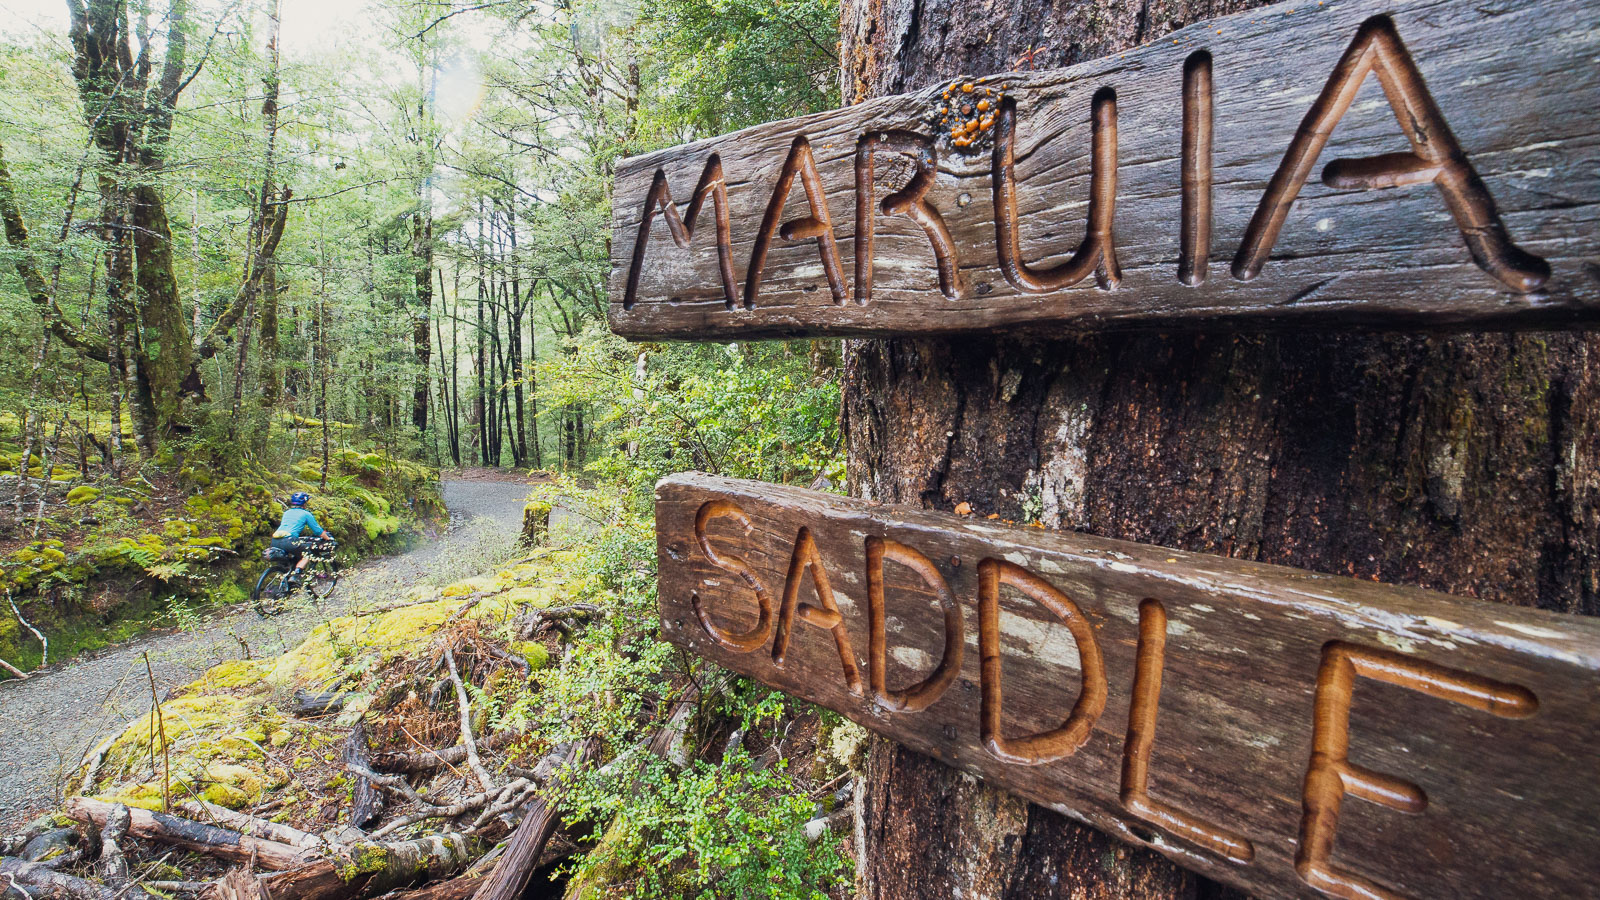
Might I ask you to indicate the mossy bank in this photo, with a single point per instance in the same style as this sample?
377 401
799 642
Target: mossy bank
109 559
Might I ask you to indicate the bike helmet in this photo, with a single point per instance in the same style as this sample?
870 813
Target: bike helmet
299 498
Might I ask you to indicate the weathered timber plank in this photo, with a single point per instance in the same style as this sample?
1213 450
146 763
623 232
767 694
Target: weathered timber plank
1472 725
1503 147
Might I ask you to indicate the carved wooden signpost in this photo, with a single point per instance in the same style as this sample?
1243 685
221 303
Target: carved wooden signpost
1365 162
1290 733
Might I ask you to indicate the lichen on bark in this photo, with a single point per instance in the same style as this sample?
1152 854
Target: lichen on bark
1467 463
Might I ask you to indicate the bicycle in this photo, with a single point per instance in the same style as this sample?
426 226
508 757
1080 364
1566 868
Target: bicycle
274 589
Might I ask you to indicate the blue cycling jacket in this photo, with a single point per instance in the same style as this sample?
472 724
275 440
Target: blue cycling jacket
295 522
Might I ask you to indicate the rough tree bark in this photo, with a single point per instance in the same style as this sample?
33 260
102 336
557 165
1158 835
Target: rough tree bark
130 119
1463 463
422 256
270 371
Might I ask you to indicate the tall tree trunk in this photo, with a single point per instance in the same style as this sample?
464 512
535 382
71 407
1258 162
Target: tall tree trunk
324 370
422 258
448 398
481 399
130 120
195 323
271 370
422 237
514 315
32 417
533 391
496 370
1462 463
165 346
124 350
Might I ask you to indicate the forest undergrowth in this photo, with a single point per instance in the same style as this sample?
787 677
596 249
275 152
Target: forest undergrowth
404 746
88 559
437 715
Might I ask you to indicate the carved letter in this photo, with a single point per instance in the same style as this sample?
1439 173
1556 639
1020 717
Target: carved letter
825 616
1331 775
1098 252
921 695
1141 737
1194 237
733 565
1058 743
1436 157
908 201
818 225
660 199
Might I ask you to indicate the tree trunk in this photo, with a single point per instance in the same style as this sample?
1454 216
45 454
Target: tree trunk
124 352
533 389
271 371
165 347
480 400
514 316
130 120
448 398
422 254
1463 463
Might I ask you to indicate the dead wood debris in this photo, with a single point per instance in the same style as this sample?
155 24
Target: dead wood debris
438 806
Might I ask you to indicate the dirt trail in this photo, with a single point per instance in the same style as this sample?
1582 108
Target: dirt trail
49 721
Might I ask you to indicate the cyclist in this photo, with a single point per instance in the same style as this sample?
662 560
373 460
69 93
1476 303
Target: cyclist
291 536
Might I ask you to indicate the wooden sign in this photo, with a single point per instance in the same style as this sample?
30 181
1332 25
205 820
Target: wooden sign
1357 162
1292 734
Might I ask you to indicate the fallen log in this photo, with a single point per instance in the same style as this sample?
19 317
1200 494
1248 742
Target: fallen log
113 865
310 704
421 762
510 877
241 884
449 811
537 620
44 883
252 825
366 803
524 668
461 888
211 840
366 869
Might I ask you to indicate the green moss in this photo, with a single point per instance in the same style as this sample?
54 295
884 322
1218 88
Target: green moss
82 494
145 796
251 781
608 869
537 654
377 526
228 593
470 586
364 859
230 675
226 795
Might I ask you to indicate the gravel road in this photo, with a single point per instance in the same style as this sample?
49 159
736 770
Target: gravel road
48 722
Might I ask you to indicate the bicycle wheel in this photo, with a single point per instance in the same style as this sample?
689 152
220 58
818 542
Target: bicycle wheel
270 591
322 581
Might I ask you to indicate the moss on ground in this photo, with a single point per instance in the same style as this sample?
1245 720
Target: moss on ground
225 736
128 556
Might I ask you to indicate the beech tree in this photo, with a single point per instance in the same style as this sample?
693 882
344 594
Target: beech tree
130 119
1457 462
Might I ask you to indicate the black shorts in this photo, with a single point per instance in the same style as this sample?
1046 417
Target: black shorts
295 546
